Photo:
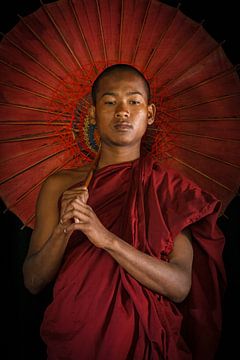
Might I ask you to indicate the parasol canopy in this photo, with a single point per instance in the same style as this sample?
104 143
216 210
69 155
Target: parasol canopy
49 61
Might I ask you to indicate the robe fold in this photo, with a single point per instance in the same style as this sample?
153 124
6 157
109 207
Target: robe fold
100 312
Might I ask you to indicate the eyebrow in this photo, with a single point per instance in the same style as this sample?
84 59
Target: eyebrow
128 93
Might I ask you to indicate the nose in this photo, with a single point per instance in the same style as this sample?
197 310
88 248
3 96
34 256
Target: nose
122 111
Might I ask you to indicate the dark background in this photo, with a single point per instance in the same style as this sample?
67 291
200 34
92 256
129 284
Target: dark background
22 311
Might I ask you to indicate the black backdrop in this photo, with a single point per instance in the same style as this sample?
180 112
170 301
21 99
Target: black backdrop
22 311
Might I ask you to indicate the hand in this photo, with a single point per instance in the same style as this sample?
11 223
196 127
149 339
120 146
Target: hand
68 196
88 223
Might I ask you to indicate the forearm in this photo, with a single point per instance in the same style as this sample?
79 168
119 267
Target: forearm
41 267
160 276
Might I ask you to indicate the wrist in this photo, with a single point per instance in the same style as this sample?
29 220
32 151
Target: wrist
60 231
111 241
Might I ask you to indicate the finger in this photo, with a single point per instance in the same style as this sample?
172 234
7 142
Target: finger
75 191
83 196
72 227
82 213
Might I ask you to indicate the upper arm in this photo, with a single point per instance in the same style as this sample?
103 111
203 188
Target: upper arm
182 256
47 214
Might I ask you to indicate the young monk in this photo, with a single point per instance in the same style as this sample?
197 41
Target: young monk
137 257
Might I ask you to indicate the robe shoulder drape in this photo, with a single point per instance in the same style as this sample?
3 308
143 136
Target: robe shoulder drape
101 312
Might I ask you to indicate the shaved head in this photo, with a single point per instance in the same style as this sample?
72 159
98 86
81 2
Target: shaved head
118 68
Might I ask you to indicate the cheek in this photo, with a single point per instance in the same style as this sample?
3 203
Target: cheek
141 116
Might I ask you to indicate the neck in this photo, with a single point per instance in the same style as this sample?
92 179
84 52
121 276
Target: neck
117 155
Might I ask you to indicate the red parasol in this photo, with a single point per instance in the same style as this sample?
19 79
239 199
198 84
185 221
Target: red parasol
49 61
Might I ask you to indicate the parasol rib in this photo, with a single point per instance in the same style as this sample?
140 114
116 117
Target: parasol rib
169 82
27 74
169 59
201 173
9 85
35 109
205 136
102 33
217 119
160 40
121 31
45 9
36 122
31 166
55 57
82 35
219 98
206 155
28 137
220 75
31 189
49 71
141 31
28 152
28 221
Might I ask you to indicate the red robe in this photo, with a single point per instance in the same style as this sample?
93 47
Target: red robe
101 312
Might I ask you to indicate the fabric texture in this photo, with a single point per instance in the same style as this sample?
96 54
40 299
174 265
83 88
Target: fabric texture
101 312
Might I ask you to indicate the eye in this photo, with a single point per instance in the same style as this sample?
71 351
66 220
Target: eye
134 102
109 102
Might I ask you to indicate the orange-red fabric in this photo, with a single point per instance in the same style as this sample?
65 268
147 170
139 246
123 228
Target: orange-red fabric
99 311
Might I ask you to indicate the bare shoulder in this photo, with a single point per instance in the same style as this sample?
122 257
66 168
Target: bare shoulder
64 179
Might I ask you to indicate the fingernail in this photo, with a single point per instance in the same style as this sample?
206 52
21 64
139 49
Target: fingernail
65 231
61 222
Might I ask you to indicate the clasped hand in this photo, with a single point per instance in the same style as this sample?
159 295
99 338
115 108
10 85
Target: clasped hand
76 214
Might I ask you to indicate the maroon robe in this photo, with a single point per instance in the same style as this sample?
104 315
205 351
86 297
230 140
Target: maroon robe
101 312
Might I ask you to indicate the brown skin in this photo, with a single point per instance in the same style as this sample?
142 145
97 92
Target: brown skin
122 113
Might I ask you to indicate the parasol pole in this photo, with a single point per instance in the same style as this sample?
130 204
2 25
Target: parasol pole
92 169
90 174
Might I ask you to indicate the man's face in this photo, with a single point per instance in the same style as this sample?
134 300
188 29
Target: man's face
122 112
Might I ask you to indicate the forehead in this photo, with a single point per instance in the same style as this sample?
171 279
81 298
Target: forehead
120 80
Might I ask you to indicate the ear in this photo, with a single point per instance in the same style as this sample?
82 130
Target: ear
151 114
91 115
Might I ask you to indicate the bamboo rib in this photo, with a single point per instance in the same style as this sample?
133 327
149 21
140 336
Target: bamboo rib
201 173
160 40
169 82
219 98
141 31
206 155
13 86
102 33
50 17
57 101
192 135
51 52
169 59
30 167
82 35
29 137
205 136
25 107
28 152
32 188
216 119
29 220
121 31
220 75
25 52
34 123
13 67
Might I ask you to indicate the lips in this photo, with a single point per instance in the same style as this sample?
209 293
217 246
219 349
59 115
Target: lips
123 126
